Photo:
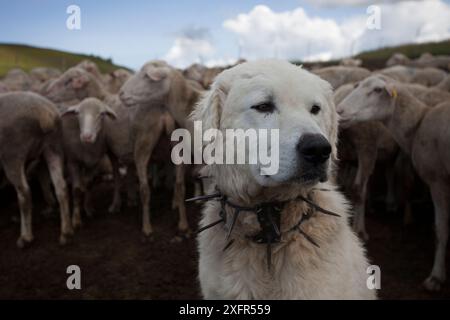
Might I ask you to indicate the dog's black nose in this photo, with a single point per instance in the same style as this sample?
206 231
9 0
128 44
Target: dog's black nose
314 148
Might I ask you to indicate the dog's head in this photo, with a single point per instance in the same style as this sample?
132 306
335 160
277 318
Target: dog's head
273 94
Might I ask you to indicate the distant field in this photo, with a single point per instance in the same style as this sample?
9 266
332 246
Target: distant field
27 58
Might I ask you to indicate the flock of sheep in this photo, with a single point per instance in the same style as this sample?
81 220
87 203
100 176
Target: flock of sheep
66 129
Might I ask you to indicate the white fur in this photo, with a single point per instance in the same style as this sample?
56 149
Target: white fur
336 270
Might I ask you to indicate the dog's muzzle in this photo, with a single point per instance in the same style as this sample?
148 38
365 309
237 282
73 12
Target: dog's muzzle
313 150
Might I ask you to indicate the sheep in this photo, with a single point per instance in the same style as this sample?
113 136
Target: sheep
92 68
364 139
41 76
71 88
17 80
340 75
116 79
444 85
420 131
425 76
439 62
155 88
30 127
195 72
112 82
426 60
3 87
201 74
84 141
429 96
132 136
75 85
350 62
399 72
397 59
428 76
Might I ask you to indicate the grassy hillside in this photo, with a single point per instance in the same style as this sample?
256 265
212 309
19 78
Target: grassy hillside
27 57
376 59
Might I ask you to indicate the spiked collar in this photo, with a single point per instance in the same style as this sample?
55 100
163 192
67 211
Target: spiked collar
269 217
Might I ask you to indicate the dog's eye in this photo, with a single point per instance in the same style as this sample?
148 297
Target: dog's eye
266 107
355 85
377 90
315 109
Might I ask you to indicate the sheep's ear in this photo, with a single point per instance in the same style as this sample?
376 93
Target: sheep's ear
209 109
80 81
109 112
156 74
73 110
391 90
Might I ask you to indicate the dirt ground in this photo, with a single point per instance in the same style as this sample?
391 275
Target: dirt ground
116 264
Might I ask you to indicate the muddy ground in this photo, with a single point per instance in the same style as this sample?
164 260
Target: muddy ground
116 264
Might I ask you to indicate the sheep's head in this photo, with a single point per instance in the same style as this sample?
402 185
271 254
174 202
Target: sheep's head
117 78
397 58
90 113
371 99
90 67
195 72
3 88
150 85
74 84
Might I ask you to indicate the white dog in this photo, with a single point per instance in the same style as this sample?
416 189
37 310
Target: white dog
308 253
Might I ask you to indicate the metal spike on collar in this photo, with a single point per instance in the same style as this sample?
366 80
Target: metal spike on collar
318 208
210 225
233 222
274 225
228 245
204 197
307 237
269 255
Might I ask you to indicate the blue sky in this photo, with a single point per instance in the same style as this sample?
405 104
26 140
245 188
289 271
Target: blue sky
132 32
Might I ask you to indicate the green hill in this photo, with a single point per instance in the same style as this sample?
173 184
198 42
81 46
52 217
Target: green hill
28 57
376 59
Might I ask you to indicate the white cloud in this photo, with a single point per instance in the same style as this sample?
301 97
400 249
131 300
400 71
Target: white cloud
339 3
186 51
290 34
297 35
192 45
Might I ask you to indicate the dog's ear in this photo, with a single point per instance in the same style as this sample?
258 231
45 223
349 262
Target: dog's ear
209 109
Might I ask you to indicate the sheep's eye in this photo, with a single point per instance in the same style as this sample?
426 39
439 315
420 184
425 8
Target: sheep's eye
68 81
266 107
315 109
377 90
355 85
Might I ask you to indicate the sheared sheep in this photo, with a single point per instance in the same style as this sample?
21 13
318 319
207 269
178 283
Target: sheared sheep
155 88
369 141
18 80
30 127
84 141
420 131
340 75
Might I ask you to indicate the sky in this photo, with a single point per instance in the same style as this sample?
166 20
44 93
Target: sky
219 32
